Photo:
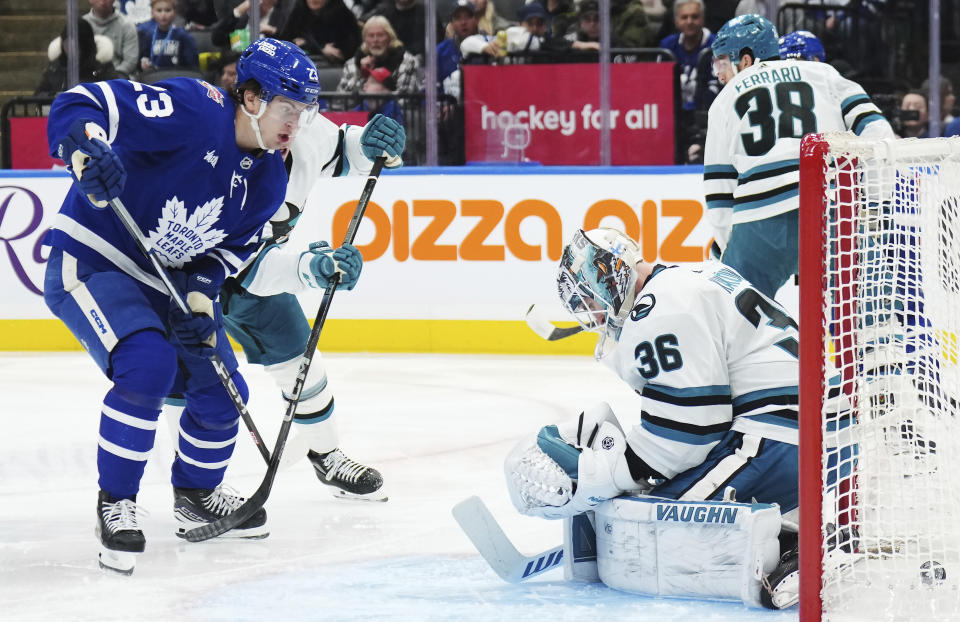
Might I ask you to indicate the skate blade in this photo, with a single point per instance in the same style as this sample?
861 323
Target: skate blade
118 562
376 496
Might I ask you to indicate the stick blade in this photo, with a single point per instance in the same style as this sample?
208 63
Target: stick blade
495 547
545 329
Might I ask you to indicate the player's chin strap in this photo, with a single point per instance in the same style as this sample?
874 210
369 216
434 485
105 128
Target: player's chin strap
255 122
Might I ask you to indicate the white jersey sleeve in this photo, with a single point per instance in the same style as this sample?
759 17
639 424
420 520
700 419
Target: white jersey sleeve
322 150
754 127
707 354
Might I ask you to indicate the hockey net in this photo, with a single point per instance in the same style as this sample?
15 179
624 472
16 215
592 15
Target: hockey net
879 379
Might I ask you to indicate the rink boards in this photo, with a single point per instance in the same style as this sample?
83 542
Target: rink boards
453 256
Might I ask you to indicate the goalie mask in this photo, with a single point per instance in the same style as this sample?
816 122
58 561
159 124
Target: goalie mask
597 282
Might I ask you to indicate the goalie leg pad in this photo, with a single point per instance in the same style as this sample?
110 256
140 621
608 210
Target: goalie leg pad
710 549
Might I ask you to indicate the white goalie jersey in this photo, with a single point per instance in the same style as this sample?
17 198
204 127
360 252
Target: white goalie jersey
321 150
708 354
752 151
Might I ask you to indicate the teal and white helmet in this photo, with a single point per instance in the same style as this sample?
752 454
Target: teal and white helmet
744 32
597 282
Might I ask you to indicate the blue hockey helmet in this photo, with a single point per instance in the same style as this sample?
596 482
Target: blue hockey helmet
744 32
597 282
280 68
802 44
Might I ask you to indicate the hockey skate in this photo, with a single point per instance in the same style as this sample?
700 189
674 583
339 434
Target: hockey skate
194 507
349 479
121 539
781 588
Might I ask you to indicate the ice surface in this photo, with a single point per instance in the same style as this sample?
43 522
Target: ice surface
437 426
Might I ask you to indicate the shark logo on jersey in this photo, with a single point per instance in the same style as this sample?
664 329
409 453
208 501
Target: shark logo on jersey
643 307
212 158
246 162
180 236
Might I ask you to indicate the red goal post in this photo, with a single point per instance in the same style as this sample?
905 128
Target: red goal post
879 379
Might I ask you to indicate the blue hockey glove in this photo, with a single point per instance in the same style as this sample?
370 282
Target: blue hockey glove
97 169
321 262
197 330
382 135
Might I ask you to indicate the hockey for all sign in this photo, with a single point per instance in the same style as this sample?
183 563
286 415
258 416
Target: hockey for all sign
551 114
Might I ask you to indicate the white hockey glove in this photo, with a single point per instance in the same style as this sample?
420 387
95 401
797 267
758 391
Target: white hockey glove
572 469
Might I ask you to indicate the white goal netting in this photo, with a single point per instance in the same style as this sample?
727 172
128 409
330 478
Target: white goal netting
890 418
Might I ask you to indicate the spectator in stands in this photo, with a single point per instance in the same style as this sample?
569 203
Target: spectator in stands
687 44
947 99
465 24
96 60
109 22
409 21
381 49
273 16
325 29
563 18
914 115
379 81
164 45
226 70
531 35
628 24
587 34
953 128
718 12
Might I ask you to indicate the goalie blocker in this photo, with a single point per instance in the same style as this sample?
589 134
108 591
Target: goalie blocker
663 547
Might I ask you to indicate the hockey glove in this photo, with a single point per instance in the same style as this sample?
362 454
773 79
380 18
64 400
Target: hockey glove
384 136
97 169
318 265
197 330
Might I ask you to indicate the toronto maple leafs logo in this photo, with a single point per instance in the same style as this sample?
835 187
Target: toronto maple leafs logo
180 236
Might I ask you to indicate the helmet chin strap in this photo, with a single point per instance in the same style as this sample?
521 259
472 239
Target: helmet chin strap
255 122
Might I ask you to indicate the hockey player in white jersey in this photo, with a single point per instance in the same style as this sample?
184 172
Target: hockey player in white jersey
205 176
714 362
262 313
752 154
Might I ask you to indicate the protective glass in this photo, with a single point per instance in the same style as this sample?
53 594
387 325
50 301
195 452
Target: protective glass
285 110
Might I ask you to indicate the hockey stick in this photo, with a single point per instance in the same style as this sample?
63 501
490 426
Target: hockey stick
144 245
543 327
256 501
495 547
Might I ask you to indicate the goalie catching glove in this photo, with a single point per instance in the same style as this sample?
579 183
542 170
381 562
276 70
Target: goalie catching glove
96 168
570 469
318 265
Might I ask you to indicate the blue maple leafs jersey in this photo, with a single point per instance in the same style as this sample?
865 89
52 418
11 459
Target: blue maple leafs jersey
200 200
708 354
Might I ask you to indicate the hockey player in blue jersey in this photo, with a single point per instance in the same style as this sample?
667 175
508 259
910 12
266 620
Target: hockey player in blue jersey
262 313
201 174
715 365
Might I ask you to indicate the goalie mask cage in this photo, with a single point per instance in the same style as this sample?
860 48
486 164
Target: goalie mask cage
879 379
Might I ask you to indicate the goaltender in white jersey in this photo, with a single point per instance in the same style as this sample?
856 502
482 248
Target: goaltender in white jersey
752 153
715 362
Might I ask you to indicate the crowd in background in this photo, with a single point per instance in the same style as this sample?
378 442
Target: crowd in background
367 50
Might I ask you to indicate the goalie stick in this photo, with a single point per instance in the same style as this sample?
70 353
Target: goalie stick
256 501
144 245
483 530
538 322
